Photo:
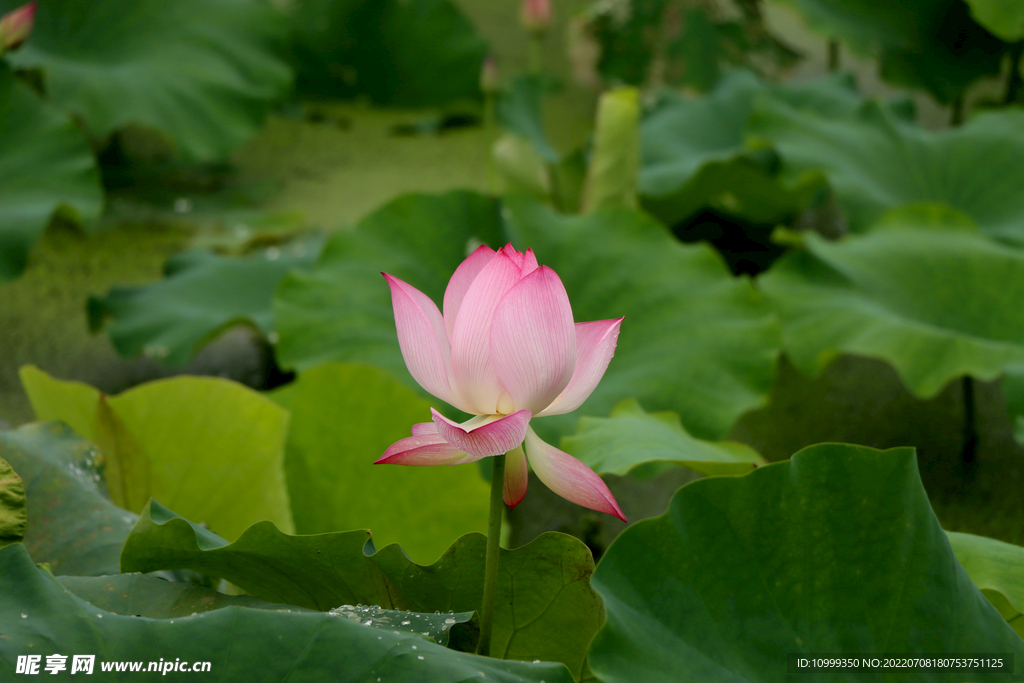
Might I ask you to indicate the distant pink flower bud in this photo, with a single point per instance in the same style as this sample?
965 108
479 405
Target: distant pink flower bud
505 349
535 15
16 25
490 81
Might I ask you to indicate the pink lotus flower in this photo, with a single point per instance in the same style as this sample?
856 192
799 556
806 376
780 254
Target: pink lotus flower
16 25
506 350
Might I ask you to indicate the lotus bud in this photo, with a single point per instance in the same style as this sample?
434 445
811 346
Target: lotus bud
535 15
15 26
490 81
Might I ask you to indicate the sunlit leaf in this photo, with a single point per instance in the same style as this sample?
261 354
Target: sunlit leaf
343 418
210 446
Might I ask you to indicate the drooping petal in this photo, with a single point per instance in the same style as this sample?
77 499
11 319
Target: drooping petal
517 475
569 478
533 341
424 429
595 346
484 435
424 341
460 281
421 450
474 372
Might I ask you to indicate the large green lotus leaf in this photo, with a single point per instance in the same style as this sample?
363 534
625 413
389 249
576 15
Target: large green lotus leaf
213 447
686 316
875 162
834 551
343 418
631 437
545 607
46 165
148 596
13 509
1003 18
413 53
202 295
931 44
997 569
695 154
935 304
72 525
202 72
306 647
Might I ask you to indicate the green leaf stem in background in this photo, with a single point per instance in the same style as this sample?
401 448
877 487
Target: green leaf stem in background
997 569
686 317
72 525
1013 390
202 295
836 550
936 305
234 640
343 418
13 510
875 162
411 53
631 437
202 72
615 159
545 606
46 165
212 447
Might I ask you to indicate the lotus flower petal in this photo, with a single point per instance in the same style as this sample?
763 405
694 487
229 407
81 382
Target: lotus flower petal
569 478
421 450
517 475
460 281
473 369
484 435
424 342
595 346
533 341
529 263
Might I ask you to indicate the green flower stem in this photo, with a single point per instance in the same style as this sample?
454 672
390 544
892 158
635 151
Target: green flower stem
969 451
491 133
535 53
491 563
